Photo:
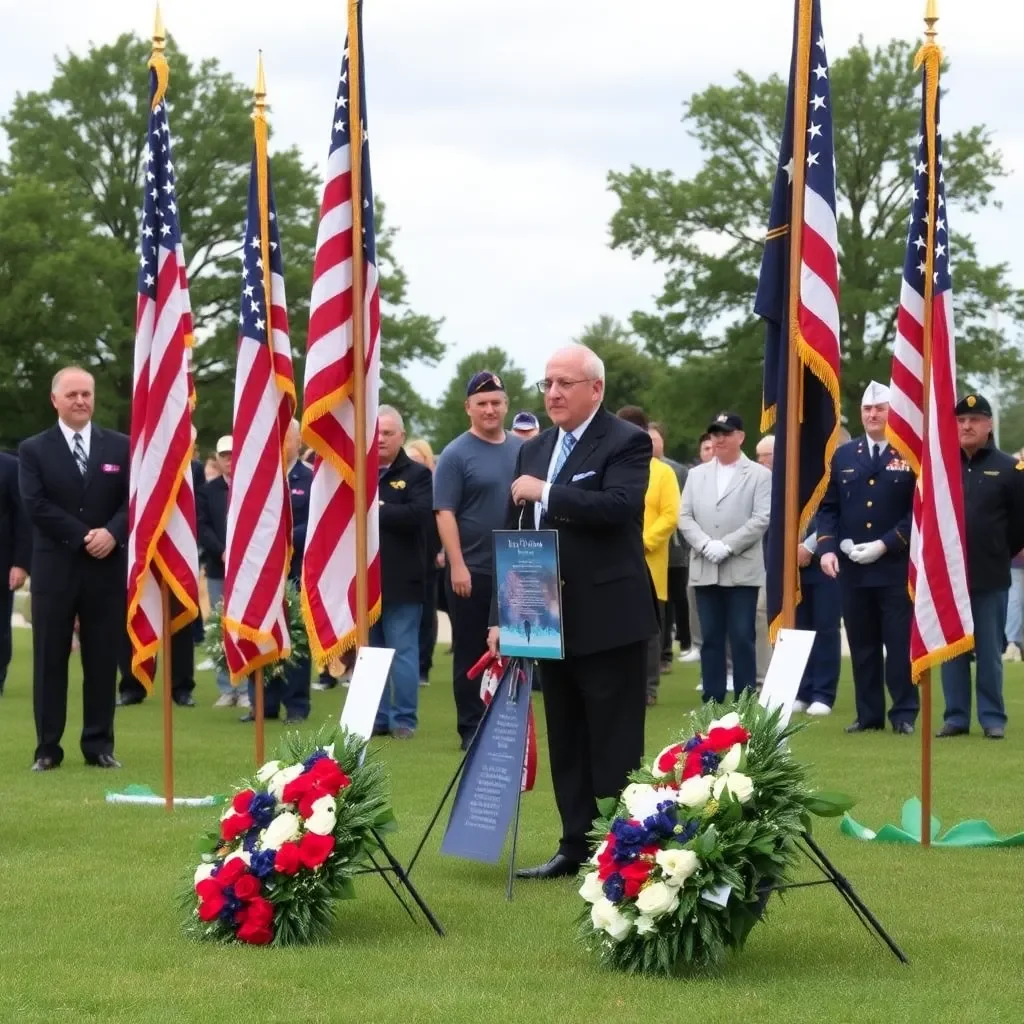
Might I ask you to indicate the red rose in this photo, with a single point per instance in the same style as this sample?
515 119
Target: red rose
287 861
295 789
667 762
231 872
260 912
329 778
693 765
234 826
247 887
242 800
255 934
314 849
306 801
208 888
722 739
635 874
210 908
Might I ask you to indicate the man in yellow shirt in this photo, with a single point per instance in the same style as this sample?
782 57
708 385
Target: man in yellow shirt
661 515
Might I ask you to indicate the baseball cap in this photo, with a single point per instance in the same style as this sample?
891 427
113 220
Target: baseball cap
725 423
224 445
973 405
483 380
525 421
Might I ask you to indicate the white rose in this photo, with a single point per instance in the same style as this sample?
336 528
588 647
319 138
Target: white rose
740 786
323 818
281 830
695 791
606 917
677 865
729 721
281 779
731 761
642 801
243 855
592 888
203 872
645 925
329 750
657 899
267 772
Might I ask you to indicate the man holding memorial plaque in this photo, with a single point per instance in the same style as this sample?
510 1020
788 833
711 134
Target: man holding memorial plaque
586 478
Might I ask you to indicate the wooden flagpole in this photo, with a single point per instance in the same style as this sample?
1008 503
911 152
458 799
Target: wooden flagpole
930 57
168 703
358 334
794 378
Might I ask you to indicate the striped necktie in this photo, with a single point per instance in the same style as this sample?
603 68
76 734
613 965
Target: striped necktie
568 443
80 457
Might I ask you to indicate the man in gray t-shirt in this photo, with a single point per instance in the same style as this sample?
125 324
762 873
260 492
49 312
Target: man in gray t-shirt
471 488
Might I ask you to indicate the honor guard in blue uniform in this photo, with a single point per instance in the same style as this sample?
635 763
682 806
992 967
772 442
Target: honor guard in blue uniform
994 528
863 537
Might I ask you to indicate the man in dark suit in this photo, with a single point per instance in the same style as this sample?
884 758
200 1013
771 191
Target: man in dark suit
586 477
74 483
15 554
406 510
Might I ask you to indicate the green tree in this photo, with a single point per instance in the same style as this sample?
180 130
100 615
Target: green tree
708 230
85 137
449 418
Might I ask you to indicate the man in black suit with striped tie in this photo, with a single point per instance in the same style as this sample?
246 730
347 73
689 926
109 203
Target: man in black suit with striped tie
74 483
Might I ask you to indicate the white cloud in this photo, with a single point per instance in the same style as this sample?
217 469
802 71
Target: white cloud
493 124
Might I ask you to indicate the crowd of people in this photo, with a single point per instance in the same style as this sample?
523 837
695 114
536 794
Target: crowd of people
653 553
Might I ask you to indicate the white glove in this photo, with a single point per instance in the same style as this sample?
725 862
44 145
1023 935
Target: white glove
865 554
715 551
846 546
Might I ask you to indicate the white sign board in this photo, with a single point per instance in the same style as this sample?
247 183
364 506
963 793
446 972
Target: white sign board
786 669
369 678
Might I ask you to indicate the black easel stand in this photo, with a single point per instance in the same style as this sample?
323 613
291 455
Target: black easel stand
393 867
832 876
511 674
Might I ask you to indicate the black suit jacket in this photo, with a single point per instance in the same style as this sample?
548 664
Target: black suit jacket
300 480
406 514
212 525
15 529
596 504
63 506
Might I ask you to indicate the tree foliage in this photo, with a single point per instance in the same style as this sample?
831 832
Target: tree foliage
708 230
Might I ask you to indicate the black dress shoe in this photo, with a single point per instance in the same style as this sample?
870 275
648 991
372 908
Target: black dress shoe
995 732
559 866
104 761
381 731
294 720
125 701
184 700
903 729
951 730
250 716
45 764
857 727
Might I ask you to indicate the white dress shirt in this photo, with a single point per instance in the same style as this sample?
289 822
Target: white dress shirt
542 505
724 474
69 435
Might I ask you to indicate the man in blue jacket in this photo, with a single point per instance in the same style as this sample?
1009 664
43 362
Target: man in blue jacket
863 538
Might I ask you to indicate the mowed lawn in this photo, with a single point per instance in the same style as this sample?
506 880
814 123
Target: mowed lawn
90 929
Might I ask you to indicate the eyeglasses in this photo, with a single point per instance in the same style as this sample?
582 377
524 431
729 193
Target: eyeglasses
544 386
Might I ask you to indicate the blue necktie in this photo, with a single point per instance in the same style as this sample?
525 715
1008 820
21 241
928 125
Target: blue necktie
568 443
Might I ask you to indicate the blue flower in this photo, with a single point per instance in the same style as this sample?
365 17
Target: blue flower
262 809
313 758
690 744
232 905
614 887
250 840
688 831
662 825
709 763
630 838
263 863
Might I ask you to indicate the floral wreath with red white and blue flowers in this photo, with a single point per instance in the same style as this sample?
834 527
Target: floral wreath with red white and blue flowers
288 844
691 850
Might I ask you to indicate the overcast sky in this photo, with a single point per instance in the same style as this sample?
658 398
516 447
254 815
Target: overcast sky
494 123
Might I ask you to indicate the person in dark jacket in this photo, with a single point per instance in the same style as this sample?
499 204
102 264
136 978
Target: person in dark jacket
406 511
15 554
994 527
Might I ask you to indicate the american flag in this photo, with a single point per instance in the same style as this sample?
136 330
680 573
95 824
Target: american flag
942 626
162 510
259 530
328 421
815 342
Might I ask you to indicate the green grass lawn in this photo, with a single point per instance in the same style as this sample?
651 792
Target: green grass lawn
90 929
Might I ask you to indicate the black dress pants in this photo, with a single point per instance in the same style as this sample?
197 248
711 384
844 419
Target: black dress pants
595 706
470 617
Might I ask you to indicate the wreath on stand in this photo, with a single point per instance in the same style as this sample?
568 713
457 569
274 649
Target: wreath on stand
286 849
691 850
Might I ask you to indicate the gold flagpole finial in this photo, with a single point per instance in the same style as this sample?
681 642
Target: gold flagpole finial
159 34
260 95
931 15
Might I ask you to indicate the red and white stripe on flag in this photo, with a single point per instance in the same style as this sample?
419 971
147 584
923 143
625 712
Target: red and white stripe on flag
328 421
942 625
